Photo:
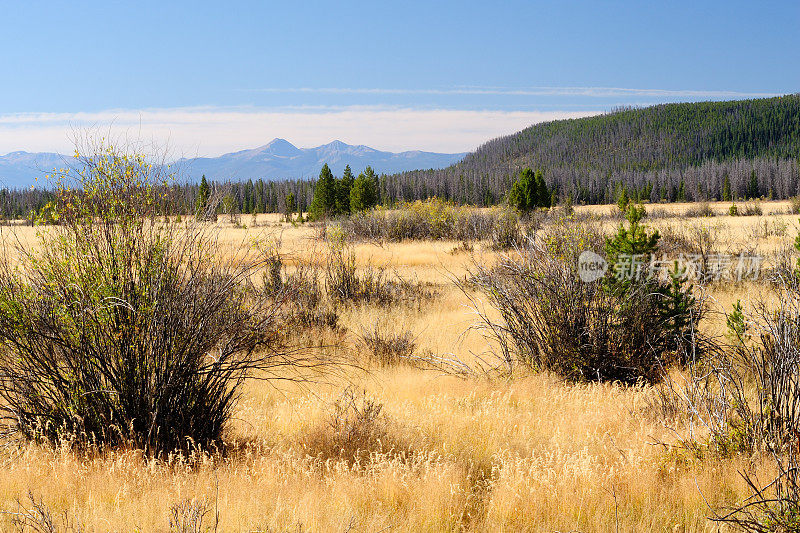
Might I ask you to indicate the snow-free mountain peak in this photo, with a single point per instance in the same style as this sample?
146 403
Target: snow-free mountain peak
278 159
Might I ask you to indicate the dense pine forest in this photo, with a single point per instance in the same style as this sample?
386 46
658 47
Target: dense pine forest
670 152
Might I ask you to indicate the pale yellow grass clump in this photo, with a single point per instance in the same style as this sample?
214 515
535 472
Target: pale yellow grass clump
445 453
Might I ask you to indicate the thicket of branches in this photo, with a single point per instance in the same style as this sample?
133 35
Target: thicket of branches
117 329
539 313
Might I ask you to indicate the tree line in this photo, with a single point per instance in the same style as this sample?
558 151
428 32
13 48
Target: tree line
665 153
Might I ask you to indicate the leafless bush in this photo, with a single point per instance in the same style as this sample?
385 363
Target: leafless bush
746 397
36 517
355 428
188 515
674 240
302 290
750 210
387 346
703 242
345 283
552 320
702 209
782 264
794 205
463 247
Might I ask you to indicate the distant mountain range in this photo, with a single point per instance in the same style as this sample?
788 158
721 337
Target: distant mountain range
277 160
21 169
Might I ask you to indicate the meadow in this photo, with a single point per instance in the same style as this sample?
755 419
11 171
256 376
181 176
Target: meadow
436 440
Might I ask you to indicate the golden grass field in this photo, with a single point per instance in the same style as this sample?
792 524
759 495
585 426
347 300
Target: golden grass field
454 453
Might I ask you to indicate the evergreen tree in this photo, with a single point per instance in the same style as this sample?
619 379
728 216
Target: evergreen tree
364 193
203 194
343 187
628 242
260 206
373 178
623 201
529 191
674 301
324 202
726 189
291 206
752 186
542 192
249 203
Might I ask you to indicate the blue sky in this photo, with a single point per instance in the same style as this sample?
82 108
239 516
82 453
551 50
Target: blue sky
445 76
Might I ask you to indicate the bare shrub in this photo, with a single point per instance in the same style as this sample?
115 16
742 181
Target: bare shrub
121 330
794 205
387 346
702 209
306 305
747 399
463 247
763 228
345 283
750 210
36 517
782 264
552 320
188 515
703 242
356 427
674 240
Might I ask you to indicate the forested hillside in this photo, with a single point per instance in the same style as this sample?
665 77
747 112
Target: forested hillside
665 152
671 152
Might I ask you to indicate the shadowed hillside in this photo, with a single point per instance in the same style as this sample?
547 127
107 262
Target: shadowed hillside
665 152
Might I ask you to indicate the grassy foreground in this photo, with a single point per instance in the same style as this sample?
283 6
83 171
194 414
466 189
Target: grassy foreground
443 452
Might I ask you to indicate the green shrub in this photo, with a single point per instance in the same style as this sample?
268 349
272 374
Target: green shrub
529 191
121 330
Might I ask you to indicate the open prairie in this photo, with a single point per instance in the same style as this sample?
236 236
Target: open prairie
435 441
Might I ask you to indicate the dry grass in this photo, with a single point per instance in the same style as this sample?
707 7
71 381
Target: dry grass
444 453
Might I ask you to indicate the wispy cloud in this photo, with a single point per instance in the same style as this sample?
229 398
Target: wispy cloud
209 131
591 92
